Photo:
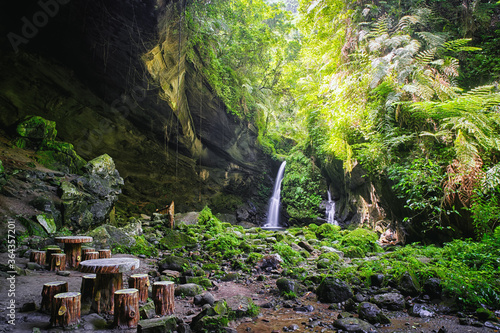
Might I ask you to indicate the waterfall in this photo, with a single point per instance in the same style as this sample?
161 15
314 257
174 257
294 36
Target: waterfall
273 214
330 210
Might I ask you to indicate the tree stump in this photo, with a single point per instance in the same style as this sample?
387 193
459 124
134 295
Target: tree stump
163 297
105 253
73 248
87 288
86 249
38 257
66 310
57 262
50 289
141 283
126 308
50 251
89 255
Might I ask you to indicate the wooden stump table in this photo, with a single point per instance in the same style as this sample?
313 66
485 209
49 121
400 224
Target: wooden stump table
73 248
109 279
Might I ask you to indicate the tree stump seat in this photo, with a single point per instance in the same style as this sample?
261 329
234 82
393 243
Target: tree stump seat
73 248
86 249
104 253
163 297
89 255
50 289
87 288
38 257
141 283
109 279
49 252
57 262
126 308
66 309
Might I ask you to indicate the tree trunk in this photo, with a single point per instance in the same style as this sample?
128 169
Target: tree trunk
163 297
38 257
50 251
86 249
106 253
89 255
141 283
105 287
87 288
58 262
50 289
126 308
66 310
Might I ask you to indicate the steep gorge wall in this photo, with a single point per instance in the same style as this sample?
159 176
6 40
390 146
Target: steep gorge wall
109 73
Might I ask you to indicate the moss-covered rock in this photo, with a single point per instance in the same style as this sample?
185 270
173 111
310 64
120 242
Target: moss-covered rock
173 263
188 289
33 228
333 291
47 222
38 128
60 156
354 252
174 239
364 239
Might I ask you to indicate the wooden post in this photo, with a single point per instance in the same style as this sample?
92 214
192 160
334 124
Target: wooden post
141 283
73 248
50 289
58 262
38 257
105 253
50 251
105 287
89 255
66 309
126 308
163 297
87 288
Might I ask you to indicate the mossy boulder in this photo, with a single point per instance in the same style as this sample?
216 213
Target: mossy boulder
354 252
364 239
60 156
174 239
162 324
37 128
47 222
408 284
188 289
333 290
173 263
33 228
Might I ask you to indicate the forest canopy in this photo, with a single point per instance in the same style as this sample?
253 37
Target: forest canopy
408 90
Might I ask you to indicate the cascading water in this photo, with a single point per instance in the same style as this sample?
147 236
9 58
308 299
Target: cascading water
273 214
330 210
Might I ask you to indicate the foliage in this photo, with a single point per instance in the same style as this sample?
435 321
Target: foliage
363 239
141 246
328 231
301 185
290 256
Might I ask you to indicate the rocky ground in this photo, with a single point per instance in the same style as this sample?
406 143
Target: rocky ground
303 314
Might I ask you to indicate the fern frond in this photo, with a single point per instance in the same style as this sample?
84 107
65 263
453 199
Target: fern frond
425 57
458 45
406 22
433 40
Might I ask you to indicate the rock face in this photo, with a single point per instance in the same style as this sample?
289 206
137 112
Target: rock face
110 75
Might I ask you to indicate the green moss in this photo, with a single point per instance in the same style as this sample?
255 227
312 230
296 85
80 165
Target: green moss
33 228
364 239
174 239
354 252
328 231
35 127
60 156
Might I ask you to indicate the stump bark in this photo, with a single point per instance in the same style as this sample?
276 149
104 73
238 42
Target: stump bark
73 248
87 288
66 309
105 287
105 253
38 257
163 297
50 289
89 255
141 283
86 249
50 251
57 262
126 308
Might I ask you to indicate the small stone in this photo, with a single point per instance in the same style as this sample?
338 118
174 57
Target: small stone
34 266
63 273
28 307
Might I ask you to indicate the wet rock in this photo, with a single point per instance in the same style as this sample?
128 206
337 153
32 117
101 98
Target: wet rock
333 291
173 263
239 304
334 250
372 313
33 266
271 261
354 325
433 288
147 311
63 273
494 326
232 276
206 298
420 310
188 289
408 285
94 322
162 324
306 246
377 280
485 314
35 130
390 301
286 285
307 308
291 328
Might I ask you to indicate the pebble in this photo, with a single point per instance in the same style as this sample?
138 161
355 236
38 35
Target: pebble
63 273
